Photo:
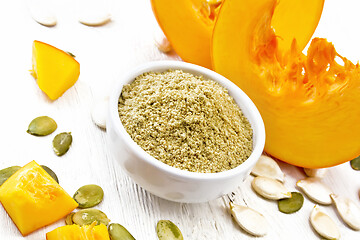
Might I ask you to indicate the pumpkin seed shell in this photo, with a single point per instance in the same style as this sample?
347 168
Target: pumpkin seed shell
268 167
118 232
348 211
61 143
323 224
291 205
68 219
316 190
7 172
50 172
270 188
250 220
319 172
89 196
88 216
355 163
42 126
167 230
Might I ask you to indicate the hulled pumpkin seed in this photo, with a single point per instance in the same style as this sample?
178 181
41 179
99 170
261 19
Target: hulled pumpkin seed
7 172
68 219
61 143
50 172
88 216
355 163
291 205
42 126
167 230
89 196
118 232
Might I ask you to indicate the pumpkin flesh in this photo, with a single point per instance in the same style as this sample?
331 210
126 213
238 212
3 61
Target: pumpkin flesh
309 104
33 199
75 232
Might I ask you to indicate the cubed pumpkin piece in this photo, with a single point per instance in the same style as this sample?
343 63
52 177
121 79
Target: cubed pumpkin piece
75 232
55 70
33 199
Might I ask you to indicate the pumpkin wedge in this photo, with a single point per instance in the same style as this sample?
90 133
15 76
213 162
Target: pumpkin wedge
75 232
188 25
309 104
54 70
33 199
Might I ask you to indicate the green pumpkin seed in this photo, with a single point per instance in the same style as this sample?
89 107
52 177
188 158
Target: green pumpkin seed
50 172
355 163
89 196
167 230
118 232
42 126
61 143
68 219
7 172
88 216
291 205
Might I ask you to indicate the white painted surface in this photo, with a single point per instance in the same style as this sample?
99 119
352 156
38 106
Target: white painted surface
105 53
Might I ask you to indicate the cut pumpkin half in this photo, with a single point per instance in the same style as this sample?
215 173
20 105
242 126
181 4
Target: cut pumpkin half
189 24
309 104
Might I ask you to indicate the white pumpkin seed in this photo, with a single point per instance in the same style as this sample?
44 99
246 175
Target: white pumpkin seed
99 113
268 167
316 190
270 188
95 19
319 172
42 12
249 220
161 42
323 224
348 211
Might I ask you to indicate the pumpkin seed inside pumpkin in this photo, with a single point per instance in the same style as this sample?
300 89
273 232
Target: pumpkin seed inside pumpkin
7 172
88 216
68 219
291 205
118 232
42 126
61 143
50 172
355 163
89 196
167 230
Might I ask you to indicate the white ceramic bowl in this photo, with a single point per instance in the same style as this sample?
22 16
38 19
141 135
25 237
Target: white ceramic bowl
169 182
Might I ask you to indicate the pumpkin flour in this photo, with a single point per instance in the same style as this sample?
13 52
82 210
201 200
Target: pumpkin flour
185 121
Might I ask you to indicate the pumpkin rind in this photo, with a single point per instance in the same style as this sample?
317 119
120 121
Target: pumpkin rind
309 104
33 199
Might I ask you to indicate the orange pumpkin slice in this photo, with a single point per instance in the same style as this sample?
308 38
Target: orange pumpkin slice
309 104
55 70
33 199
75 232
188 25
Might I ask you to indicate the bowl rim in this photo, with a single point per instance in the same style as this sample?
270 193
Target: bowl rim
163 65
